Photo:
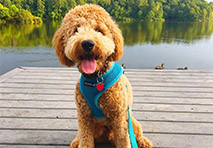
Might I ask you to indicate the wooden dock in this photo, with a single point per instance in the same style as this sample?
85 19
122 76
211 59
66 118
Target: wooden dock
37 108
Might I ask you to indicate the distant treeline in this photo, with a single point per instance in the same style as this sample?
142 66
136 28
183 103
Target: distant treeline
125 10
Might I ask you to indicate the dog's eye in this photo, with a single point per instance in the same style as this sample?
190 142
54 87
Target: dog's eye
98 30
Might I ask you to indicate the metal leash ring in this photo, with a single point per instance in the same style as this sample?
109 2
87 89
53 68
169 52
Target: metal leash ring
98 79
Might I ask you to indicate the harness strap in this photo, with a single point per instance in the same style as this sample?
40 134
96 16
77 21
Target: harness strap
131 132
89 89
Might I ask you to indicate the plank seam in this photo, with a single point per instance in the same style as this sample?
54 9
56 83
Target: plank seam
137 96
134 89
162 103
65 84
75 118
38 108
197 92
130 78
145 132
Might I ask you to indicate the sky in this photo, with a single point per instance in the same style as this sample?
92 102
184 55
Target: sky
209 0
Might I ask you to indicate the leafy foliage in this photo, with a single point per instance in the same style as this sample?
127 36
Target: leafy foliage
125 10
13 14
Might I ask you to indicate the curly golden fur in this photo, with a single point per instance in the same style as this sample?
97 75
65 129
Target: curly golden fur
91 22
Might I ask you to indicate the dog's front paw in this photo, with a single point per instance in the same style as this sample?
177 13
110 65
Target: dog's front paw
74 143
145 143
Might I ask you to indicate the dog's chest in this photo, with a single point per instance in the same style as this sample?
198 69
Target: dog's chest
90 92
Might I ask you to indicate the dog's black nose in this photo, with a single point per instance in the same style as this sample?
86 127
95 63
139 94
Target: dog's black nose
87 45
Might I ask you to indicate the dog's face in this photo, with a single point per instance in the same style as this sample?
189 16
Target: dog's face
88 37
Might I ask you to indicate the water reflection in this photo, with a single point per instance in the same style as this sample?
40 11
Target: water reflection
22 35
166 32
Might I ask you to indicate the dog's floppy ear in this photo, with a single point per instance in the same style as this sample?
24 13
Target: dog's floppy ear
57 42
119 42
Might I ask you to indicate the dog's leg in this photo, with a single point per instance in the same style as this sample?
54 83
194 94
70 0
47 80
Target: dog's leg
75 142
142 141
85 131
86 128
85 122
146 143
120 130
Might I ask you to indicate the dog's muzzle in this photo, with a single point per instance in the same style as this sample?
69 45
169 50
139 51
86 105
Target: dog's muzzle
87 45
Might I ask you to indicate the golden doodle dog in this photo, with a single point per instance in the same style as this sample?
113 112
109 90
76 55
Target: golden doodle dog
91 40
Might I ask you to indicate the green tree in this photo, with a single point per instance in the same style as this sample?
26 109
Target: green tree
4 12
71 3
125 10
40 8
7 3
17 15
13 11
80 2
17 3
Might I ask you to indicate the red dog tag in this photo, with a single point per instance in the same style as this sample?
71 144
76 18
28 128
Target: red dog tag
100 86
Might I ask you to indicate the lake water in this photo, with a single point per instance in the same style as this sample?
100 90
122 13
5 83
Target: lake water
147 44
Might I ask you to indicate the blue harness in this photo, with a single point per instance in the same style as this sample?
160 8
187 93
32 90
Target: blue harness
92 94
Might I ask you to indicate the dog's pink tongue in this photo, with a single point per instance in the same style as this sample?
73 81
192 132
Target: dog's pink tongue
88 66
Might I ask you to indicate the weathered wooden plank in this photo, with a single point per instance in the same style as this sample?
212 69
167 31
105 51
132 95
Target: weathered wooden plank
72 87
128 70
181 141
137 93
50 68
51 84
170 94
140 79
58 72
136 75
64 137
36 96
172 108
70 98
72 124
140 115
37 104
171 84
29 81
173 100
135 106
149 82
10 74
132 74
36 137
32 91
137 90
157 79
46 86
145 94
132 80
76 76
